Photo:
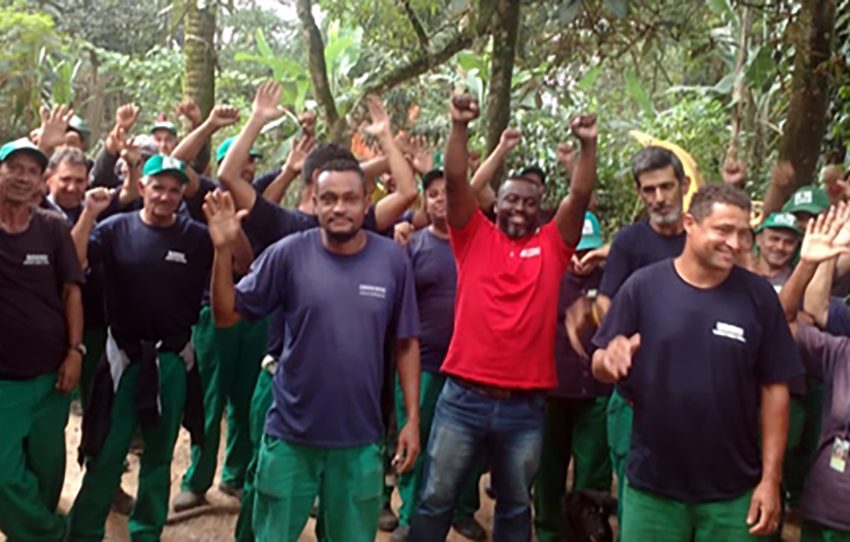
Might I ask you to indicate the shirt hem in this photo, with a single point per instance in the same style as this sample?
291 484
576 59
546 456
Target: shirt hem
690 498
321 443
514 385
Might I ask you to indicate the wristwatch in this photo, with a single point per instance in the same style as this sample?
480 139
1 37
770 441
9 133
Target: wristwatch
79 347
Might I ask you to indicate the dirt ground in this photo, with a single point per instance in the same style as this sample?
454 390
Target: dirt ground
218 526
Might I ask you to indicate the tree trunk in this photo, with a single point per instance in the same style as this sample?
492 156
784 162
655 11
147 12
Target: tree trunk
806 125
318 69
199 54
505 31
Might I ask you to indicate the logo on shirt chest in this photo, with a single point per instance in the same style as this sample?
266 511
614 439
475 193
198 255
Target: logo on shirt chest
531 252
729 331
176 257
370 290
36 259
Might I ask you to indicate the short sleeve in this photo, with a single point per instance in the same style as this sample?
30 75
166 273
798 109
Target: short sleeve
405 310
777 358
68 264
462 238
617 267
261 290
195 203
553 238
621 319
268 223
370 223
262 182
838 318
820 351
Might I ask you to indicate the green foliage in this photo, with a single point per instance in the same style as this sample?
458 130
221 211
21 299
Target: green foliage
29 39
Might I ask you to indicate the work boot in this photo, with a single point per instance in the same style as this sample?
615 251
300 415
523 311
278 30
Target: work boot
469 528
231 491
400 533
388 521
186 500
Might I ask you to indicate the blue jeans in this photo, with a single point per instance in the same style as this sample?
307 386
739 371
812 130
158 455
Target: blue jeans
466 424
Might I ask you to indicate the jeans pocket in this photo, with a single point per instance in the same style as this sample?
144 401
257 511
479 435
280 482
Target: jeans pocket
453 392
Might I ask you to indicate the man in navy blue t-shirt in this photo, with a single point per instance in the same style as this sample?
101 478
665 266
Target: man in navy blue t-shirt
155 264
344 293
701 349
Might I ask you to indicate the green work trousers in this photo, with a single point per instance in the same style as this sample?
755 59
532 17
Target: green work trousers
659 519
572 428
95 340
260 403
815 532
33 416
803 438
103 472
348 481
228 362
410 482
620 442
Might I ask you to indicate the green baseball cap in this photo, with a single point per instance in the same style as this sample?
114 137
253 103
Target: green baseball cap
221 152
79 125
164 125
160 163
591 233
808 199
23 145
783 221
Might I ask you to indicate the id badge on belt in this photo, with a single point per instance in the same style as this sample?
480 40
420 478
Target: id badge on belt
841 448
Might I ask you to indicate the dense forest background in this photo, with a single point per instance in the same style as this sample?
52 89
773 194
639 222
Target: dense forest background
761 80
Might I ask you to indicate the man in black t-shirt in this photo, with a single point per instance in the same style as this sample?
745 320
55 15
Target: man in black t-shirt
156 265
701 349
41 327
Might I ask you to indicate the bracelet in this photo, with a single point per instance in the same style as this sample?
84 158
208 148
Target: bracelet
594 311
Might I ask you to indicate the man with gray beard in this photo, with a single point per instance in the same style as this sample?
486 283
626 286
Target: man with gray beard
661 184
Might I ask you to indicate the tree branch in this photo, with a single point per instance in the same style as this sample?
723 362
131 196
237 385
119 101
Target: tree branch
417 26
421 63
316 61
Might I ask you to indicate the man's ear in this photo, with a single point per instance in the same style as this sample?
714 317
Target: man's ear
686 184
689 222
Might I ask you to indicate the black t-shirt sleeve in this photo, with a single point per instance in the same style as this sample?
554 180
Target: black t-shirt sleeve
68 265
622 318
268 223
195 203
370 223
617 268
778 358
838 318
262 182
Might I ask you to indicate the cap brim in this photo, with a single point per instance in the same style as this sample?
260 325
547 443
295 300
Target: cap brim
176 172
810 208
37 154
589 243
778 227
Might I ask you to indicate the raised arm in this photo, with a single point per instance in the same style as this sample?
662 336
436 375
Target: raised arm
132 156
570 215
818 247
97 199
816 300
483 178
390 208
220 117
54 124
266 109
224 224
275 191
460 197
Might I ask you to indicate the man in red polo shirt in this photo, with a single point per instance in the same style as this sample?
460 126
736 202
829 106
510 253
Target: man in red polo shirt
501 358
